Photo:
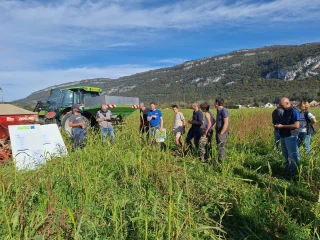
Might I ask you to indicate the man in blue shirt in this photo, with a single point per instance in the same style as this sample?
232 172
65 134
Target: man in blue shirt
289 131
155 120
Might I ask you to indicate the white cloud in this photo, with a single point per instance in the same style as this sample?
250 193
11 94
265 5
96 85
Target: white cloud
32 81
83 24
46 31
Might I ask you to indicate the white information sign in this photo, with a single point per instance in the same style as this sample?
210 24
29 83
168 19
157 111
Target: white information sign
32 145
27 147
52 141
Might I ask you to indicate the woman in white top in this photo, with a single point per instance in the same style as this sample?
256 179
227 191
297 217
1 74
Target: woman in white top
179 125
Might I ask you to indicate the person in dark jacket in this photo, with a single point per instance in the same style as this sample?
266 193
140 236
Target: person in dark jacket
276 119
289 130
144 123
196 122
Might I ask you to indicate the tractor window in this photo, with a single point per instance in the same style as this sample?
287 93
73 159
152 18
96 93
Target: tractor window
76 97
68 97
88 95
56 96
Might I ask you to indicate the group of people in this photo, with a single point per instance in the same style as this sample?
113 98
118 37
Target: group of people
202 126
292 128
76 122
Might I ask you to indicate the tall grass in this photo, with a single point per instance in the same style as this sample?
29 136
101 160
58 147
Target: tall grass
131 190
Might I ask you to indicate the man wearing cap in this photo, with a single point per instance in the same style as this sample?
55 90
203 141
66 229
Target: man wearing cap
77 124
104 119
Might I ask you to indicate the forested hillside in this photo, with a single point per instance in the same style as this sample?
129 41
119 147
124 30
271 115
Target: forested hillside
245 76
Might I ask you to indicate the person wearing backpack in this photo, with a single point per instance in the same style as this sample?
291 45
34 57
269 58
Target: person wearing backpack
306 129
179 125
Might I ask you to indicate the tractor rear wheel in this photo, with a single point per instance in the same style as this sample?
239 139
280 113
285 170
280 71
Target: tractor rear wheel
65 123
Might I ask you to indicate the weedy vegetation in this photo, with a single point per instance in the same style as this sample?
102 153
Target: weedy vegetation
130 190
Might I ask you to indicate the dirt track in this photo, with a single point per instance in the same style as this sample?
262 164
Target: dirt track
9 109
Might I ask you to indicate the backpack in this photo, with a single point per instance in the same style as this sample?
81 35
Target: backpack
310 128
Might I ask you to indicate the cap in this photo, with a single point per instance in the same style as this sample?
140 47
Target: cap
75 106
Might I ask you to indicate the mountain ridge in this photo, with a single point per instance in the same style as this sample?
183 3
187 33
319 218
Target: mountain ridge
241 76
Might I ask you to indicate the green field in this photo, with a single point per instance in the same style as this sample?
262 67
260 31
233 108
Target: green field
129 191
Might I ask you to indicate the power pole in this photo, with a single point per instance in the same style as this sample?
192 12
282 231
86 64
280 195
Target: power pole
2 95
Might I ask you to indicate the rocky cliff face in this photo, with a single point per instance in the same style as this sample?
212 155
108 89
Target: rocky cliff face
306 68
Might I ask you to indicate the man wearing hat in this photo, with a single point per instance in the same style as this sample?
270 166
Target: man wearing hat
77 124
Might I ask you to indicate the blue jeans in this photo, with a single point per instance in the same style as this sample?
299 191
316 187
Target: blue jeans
306 139
290 151
107 131
195 135
152 131
78 136
276 138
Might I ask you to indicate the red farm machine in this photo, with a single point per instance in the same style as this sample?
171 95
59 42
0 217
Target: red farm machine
12 115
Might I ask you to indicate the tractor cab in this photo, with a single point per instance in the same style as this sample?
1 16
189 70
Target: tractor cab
79 94
69 96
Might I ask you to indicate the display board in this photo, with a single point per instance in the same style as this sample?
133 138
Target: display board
32 145
53 144
160 136
27 147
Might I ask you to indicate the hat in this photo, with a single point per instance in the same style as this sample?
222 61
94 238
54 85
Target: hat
75 106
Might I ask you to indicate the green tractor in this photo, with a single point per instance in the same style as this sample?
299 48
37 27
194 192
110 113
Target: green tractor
57 109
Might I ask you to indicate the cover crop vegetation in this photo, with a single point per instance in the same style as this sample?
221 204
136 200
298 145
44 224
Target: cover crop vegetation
128 191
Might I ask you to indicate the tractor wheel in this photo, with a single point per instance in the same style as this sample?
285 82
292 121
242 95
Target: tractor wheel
65 123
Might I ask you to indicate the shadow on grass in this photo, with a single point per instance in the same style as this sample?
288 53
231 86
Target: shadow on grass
265 182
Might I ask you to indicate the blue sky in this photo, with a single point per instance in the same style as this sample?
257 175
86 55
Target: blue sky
44 43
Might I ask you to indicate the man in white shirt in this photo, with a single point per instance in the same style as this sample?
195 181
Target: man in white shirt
179 125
